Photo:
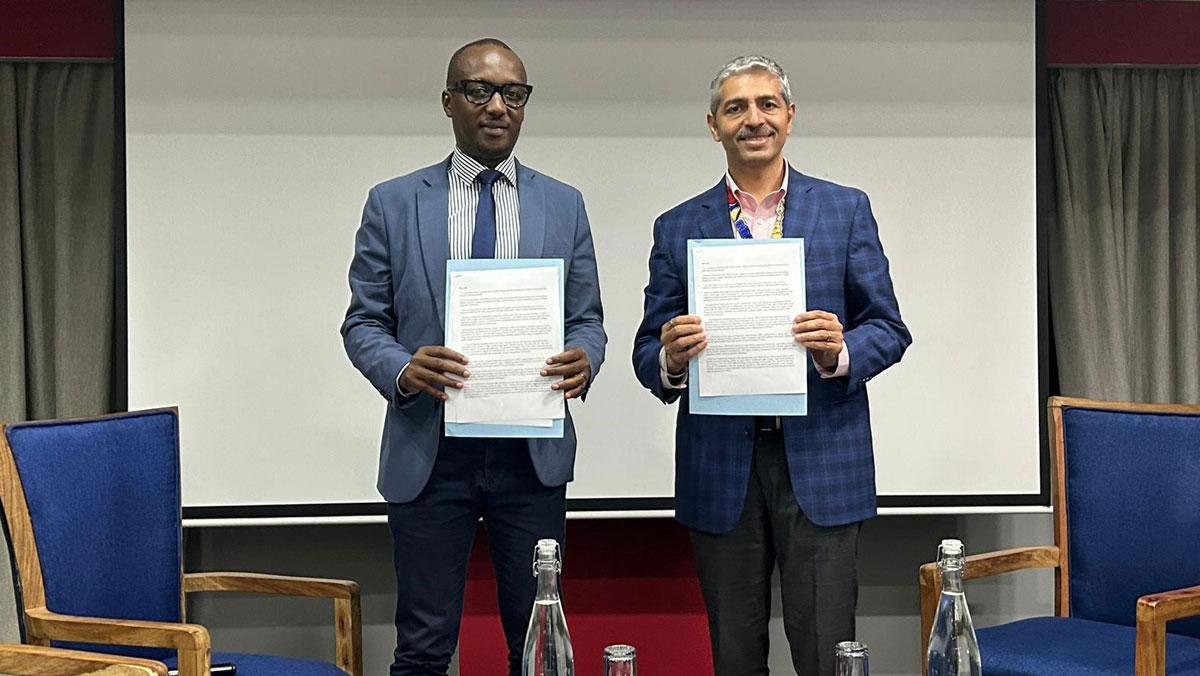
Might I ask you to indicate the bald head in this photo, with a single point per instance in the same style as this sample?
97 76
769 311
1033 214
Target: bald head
460 64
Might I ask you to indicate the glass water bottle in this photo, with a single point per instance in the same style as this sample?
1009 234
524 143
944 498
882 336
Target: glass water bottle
547 643
851 659
620 660
953 649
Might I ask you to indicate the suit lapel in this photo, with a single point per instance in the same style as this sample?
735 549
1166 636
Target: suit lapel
801 210
714 221
532 213
433 230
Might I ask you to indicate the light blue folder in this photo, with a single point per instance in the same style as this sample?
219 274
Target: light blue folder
555 431
748 404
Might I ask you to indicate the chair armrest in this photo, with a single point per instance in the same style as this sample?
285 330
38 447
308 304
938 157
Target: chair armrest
49 625
36 660
1170 605
282 585
1153 613
347 608
189 640
986 564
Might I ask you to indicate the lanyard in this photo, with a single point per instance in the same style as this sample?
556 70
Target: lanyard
739 224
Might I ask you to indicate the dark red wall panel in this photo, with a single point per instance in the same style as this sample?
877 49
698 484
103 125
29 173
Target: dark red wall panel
1111 32
624 581
56 29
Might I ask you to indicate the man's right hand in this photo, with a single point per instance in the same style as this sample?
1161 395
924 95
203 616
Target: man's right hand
682 338
427 371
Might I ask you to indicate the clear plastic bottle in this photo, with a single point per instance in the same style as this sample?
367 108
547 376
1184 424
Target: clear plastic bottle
851 659
547 642
620 660
953 649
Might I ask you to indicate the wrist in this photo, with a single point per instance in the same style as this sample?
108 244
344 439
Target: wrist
402 385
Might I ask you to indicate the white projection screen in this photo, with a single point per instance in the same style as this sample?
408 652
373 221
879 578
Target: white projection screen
255 130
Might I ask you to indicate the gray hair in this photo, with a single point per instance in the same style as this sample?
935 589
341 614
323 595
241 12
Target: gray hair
740 65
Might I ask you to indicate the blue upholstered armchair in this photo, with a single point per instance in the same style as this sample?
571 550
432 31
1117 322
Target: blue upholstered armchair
93 508
1126 492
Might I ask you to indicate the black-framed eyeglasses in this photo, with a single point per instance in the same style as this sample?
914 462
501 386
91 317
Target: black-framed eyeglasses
480 92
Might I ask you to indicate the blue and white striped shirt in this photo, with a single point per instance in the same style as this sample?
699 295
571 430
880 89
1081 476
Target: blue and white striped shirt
464 200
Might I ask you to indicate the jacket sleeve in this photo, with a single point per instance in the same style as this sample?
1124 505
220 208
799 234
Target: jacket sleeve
584 321
665 297
369 329
876 336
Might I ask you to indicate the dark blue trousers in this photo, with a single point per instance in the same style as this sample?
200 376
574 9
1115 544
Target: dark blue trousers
492 479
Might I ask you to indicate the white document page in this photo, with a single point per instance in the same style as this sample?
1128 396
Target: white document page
506 322
747 296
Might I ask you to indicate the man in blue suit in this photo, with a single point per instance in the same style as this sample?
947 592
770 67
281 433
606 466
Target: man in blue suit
478 203
767 491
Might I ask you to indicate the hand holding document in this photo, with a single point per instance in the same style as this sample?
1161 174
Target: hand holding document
747 293
506 322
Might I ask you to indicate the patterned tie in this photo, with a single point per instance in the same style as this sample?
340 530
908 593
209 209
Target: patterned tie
483 241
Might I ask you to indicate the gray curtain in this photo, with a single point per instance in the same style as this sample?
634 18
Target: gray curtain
1124 253
56 239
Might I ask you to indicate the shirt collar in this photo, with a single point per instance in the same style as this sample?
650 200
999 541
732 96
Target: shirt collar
466 168
787 170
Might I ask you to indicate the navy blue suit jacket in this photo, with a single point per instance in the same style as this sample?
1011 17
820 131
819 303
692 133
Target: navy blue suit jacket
397 305
829 450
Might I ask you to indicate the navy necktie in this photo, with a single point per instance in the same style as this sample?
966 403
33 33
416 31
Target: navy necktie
483 241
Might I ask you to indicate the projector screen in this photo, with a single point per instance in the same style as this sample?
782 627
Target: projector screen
256 129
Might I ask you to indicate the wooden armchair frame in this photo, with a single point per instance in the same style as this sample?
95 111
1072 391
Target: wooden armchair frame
191 641
1153 610
33 660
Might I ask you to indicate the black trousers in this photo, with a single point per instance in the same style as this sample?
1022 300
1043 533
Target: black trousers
492 479
817 574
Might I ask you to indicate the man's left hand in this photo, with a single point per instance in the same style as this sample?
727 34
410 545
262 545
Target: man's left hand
821 333
575 369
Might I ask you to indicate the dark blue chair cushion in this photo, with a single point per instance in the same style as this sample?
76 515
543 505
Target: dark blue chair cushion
269 665
1066 646
1133 510
103 498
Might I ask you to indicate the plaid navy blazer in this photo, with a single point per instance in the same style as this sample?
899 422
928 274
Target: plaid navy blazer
829 450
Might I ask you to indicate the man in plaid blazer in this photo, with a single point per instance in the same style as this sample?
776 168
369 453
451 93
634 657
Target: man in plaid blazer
790 491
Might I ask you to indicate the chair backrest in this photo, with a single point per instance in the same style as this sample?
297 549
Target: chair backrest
1129 479
94 512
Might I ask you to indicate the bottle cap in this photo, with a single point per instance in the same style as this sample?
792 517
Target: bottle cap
546 554
952 547
851 649
620 653
950 555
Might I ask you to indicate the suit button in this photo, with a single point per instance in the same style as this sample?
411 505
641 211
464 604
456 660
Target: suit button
749 431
